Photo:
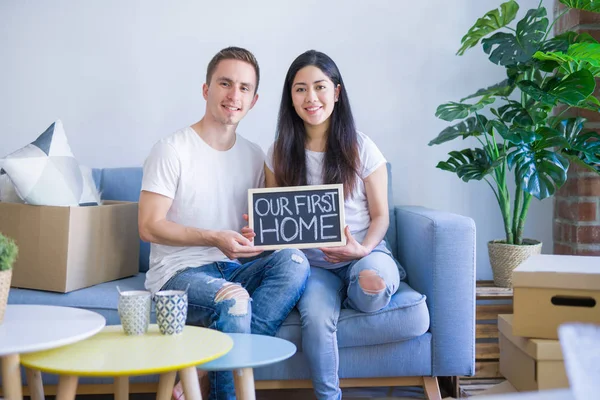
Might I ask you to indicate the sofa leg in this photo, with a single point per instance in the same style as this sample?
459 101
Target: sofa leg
432 389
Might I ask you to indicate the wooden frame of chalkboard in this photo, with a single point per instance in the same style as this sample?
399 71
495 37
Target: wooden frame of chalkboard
268 203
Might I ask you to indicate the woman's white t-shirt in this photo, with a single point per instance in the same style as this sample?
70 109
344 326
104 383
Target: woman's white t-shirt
356 207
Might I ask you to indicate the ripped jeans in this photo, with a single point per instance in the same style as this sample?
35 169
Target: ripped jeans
328 290
274 282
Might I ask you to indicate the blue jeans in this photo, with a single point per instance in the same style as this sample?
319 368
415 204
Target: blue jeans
274 282
328 290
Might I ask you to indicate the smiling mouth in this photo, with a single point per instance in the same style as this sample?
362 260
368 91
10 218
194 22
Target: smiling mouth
313 109
231 108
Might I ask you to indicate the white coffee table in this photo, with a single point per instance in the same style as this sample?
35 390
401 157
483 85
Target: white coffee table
30 328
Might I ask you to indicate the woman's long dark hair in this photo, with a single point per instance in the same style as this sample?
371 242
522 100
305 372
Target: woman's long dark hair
341 155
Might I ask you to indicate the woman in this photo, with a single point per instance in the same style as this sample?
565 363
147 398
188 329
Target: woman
317 143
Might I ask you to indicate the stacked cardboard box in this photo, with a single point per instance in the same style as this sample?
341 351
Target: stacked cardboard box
548 290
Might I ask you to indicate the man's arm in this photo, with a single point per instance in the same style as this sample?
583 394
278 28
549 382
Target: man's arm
155 228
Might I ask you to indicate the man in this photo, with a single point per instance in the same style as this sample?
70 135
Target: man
194 193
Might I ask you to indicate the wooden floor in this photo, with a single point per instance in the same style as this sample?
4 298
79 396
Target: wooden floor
469 388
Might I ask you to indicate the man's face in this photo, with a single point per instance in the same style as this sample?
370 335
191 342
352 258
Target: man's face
230 93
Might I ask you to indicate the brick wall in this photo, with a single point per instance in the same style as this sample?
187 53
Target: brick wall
577 204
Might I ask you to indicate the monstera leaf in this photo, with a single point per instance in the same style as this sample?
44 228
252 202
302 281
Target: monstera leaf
561 43
515 135
573 89
514 113
587 5
578 56
538 167
470 164
507 49
503 89
490 22
584 148
452 111
469 127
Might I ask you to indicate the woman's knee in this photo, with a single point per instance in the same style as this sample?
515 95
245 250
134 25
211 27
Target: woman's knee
369 292
370 282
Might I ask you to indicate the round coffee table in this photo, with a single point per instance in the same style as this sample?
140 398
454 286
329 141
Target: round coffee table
111 353
250 351
29 328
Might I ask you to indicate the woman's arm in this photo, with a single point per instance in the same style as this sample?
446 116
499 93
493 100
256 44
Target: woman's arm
376 186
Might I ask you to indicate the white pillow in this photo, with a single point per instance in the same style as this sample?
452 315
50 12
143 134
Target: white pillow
45 172
8 194
90 195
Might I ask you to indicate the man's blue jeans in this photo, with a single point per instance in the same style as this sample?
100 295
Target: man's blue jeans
274 283
329 290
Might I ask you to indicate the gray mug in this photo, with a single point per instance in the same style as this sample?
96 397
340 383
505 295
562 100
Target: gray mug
134 311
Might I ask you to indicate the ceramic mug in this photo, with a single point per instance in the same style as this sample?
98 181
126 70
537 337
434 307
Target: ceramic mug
171 310
134 311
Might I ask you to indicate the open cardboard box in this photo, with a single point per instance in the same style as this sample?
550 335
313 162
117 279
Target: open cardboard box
62 249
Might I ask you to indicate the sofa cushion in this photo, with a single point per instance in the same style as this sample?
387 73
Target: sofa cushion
102 298
407 313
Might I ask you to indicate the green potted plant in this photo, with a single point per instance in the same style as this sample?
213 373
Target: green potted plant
520 126
8 255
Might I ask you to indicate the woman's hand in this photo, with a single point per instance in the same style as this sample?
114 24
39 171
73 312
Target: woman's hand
350 252
248 232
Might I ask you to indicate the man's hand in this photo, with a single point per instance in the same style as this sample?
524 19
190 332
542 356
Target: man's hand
350 252
234 245
248 232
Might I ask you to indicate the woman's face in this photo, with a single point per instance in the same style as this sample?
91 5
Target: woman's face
314 96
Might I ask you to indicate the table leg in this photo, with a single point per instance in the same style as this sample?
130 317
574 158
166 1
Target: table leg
191 384
67 387
244 384
121 387
35 384
11 377
165 385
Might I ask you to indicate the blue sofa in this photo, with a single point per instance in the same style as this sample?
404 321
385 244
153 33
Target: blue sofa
427 331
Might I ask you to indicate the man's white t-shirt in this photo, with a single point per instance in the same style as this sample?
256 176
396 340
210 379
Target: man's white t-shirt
356 207
209 189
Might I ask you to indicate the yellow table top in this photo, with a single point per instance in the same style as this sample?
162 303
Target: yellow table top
112 353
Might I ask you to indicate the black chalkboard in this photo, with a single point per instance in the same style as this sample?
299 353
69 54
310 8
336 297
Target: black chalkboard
297 216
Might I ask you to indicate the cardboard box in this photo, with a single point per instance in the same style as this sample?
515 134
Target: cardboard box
67 248
530 364
501 388
558 394
549 290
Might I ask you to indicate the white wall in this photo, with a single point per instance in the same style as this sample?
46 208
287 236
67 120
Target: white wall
121 74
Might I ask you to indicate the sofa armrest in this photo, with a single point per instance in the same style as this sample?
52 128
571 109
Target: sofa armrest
437 250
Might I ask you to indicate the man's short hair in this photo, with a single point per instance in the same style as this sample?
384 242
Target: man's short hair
232 53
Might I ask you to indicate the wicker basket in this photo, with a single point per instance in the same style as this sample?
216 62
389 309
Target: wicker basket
5 277
506 257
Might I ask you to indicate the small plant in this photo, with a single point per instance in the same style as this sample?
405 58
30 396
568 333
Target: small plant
8 253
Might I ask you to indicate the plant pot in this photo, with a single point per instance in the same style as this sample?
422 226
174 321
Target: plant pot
5 277
504 258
